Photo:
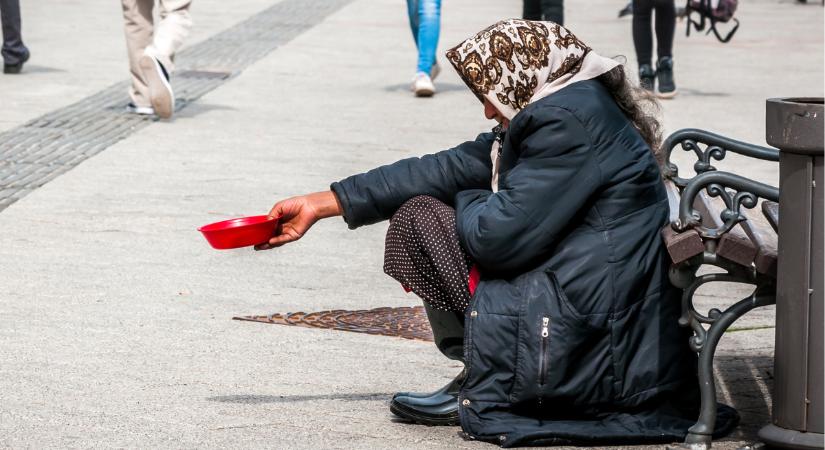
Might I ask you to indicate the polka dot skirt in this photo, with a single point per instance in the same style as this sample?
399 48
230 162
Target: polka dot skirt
422 253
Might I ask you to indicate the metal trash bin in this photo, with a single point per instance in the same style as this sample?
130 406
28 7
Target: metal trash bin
795 127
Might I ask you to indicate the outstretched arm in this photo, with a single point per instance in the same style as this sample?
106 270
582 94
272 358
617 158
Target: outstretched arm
298 214
374 196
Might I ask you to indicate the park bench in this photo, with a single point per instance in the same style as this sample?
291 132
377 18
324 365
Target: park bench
717 221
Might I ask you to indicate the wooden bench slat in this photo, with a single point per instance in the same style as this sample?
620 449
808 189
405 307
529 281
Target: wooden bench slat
680 246
771 211
763 235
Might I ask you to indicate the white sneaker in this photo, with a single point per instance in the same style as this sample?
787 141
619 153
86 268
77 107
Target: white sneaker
140 110
160 91
423 85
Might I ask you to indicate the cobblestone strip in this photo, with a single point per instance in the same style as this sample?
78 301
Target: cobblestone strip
35 153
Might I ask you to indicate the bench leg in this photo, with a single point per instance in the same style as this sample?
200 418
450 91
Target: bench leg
700 435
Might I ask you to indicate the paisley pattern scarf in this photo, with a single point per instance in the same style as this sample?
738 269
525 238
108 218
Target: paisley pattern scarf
514 62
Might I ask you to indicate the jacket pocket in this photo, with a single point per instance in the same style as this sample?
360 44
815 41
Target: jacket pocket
563 359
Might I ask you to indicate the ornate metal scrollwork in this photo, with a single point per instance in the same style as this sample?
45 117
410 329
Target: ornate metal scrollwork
716 148
762 295
734 190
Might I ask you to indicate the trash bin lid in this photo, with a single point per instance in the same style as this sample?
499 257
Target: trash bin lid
796 125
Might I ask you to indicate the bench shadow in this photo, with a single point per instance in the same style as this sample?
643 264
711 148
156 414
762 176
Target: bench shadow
746 383
253 399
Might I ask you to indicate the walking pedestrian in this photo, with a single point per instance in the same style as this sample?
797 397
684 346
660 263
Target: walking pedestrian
551 10
643 41
152 50
425 23
14 51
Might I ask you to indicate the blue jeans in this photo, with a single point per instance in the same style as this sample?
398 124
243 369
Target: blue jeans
425 23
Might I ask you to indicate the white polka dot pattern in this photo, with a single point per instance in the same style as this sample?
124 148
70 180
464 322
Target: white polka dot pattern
422 253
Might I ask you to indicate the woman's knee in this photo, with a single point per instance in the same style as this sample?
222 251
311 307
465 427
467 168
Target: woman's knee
415 219
416 208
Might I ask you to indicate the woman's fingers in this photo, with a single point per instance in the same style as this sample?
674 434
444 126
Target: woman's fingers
297 215
277 210
286 233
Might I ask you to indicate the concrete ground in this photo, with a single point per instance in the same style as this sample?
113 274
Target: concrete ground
115 314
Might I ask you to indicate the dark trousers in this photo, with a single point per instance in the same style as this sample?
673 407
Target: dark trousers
14 52
665 28
422 253
552 10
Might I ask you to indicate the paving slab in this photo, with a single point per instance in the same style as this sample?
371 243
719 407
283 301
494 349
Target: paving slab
115 315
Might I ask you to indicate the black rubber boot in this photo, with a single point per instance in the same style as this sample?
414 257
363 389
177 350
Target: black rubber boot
647 77
439 407
664 73
433 408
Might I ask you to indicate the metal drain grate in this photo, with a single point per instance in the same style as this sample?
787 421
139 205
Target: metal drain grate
405 322
33 154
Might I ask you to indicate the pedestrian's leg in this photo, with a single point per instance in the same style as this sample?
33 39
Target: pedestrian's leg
532 10
429 27
14 52
643 41
665 27
412 15
642 31
174 26
137 17
553 10
158 58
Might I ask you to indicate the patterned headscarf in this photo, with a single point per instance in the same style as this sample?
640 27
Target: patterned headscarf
514 62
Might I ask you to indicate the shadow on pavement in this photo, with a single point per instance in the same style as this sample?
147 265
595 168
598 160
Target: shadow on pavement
746 384
440 87
193 109
33 68
256 399
700 93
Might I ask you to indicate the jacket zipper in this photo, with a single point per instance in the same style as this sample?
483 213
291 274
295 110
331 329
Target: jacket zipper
545 347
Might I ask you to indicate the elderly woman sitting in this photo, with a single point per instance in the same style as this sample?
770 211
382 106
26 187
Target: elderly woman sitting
542 238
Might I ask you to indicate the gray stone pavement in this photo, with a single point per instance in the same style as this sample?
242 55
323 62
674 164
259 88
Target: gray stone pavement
114 313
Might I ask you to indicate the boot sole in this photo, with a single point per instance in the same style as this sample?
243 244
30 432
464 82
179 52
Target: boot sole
666 95
160 92
416 417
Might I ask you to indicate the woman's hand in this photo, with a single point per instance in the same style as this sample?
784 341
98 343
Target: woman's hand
298 214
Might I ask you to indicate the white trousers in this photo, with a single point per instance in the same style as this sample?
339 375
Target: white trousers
161 40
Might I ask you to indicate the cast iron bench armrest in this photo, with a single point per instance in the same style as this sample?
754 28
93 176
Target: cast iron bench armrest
736 191
715 146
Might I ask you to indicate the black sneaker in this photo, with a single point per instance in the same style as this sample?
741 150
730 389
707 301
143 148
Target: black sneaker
664 72
647 77
16 68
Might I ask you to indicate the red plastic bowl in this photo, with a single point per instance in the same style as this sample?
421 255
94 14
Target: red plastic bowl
240 232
